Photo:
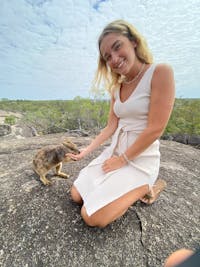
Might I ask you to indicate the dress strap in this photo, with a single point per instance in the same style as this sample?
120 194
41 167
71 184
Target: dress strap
151 71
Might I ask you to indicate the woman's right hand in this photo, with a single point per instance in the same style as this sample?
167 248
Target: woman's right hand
82 154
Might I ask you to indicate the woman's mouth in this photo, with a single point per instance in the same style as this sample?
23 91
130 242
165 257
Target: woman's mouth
120 65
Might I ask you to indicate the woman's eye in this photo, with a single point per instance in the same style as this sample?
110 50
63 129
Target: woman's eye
117 46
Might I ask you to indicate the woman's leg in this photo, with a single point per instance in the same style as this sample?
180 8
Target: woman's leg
76 196
115 209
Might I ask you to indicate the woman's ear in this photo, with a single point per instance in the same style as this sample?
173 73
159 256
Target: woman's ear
134 44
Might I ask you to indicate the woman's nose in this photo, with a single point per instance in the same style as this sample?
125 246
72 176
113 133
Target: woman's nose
114 59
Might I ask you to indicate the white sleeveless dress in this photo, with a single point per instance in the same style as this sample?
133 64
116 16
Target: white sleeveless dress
97 188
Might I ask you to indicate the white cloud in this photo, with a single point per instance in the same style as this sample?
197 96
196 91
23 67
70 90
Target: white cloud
49 48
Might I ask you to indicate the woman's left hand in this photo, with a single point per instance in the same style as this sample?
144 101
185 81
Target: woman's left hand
113 163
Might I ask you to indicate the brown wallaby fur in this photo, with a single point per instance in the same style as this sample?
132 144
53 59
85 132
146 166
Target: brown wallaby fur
53 156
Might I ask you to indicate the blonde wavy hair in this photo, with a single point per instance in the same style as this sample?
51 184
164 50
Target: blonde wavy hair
104 74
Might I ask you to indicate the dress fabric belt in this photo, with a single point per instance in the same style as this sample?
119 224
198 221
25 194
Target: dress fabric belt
122 130
108 152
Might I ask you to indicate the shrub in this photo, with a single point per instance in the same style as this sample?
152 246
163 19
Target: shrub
11 120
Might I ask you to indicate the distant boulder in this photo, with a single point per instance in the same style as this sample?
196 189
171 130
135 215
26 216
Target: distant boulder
193 140
5 129
181 138
78 132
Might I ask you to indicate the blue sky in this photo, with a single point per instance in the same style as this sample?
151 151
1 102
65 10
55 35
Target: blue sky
48 48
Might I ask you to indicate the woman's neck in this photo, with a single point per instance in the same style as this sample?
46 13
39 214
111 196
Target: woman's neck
135 73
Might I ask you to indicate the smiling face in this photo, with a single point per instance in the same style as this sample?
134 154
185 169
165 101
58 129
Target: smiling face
118 53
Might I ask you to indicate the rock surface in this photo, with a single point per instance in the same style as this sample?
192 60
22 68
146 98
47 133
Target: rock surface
41 226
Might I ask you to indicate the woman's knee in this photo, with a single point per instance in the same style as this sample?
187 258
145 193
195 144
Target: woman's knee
92 220
75 195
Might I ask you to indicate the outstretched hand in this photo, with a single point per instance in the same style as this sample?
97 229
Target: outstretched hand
113 163
79 156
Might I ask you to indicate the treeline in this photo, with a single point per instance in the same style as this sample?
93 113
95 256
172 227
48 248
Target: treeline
91 115
60 115
185 118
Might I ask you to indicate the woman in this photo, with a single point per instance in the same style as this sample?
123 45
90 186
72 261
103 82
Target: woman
142 97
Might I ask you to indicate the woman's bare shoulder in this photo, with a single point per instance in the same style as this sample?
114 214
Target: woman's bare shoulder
162 73
163 68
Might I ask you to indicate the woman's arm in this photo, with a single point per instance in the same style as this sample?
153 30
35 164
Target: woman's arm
106 133
161 105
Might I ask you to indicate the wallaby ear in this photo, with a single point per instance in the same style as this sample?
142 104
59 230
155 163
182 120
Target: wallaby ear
66 142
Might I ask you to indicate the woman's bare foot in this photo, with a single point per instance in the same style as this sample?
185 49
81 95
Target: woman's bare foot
154 192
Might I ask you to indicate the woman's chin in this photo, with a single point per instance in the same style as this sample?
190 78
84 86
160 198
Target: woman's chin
121 72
